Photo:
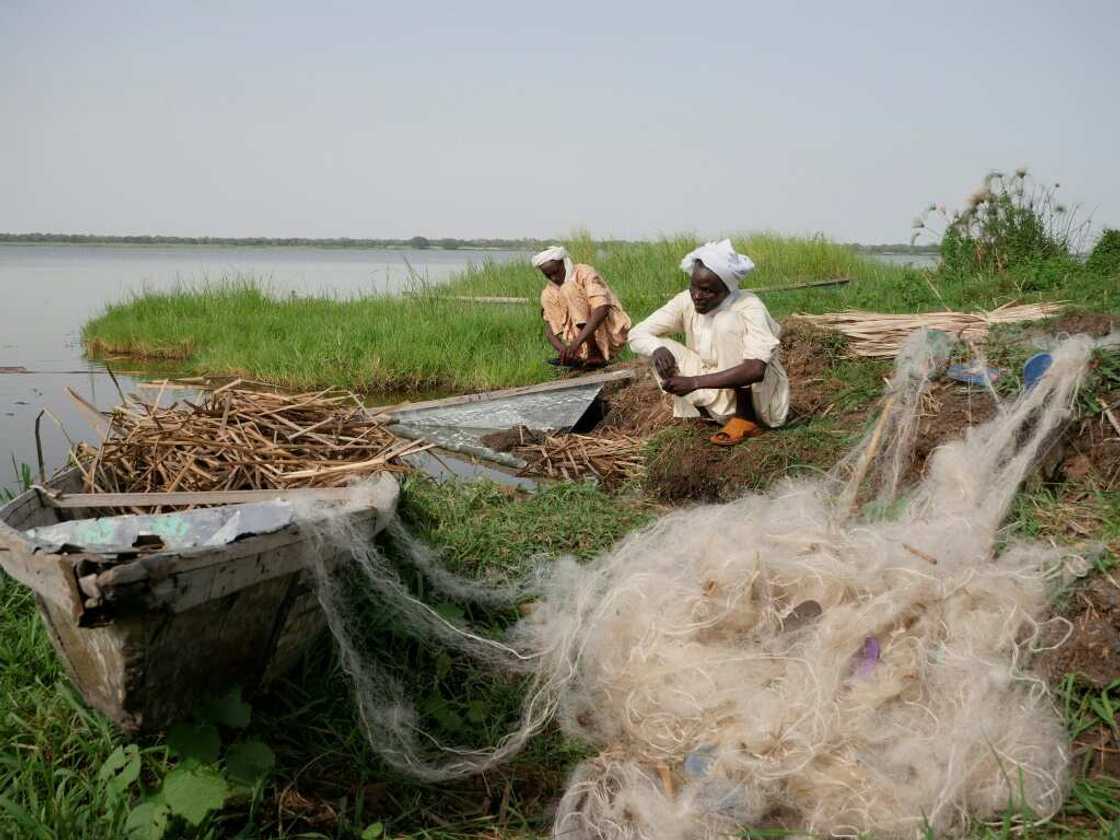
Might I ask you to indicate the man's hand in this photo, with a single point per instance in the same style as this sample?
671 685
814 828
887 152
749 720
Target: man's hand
569 355
664 363
679 385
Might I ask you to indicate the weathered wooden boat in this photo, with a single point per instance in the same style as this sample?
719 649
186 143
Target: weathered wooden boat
187 605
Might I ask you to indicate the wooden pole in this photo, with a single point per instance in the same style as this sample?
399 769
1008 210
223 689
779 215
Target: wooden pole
503 300
183 497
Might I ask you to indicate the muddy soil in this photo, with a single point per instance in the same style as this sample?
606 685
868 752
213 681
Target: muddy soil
686 468
638 407
1095 324
950 409
508 439
1093 649
809 354
1092 653
1091 453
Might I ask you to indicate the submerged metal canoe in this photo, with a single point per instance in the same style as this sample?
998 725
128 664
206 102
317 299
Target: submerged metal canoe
155 615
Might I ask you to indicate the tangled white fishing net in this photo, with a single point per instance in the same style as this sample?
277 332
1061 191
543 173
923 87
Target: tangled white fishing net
856 672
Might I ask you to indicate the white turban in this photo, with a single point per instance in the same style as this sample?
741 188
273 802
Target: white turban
555 252
721 258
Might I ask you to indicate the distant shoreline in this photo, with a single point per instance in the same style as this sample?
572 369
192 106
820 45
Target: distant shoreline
413 243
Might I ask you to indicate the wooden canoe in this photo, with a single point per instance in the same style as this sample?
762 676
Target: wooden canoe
146 637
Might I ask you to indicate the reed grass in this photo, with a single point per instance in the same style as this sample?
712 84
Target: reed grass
430 341
366 344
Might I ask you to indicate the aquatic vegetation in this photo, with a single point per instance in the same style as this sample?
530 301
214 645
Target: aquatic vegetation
432 339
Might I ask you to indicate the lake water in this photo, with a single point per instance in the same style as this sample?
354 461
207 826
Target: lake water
49 291
923 260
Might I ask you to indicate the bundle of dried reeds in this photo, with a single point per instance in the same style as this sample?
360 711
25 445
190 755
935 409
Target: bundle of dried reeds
238 438
610 456
879 335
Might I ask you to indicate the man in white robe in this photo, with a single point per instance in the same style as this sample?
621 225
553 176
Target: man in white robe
729 367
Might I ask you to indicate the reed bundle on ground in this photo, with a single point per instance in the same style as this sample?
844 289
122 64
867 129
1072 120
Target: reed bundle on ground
609 456
238 438
880 335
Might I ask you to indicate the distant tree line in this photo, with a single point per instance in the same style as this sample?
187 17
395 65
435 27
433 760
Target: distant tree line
905 248
421 242
417 242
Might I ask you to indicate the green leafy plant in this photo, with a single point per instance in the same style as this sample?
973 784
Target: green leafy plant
1105 256
1010 222
24 480
204 778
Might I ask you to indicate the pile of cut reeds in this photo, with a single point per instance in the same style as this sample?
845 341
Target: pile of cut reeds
239 438
612 457
880 335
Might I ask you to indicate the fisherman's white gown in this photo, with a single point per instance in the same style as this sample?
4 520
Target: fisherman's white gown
739 329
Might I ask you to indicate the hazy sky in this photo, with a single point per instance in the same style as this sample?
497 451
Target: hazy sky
520 118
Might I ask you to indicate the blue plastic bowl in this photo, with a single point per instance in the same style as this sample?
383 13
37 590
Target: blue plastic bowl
1035 367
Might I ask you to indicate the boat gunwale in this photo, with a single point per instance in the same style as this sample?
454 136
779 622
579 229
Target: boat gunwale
67 579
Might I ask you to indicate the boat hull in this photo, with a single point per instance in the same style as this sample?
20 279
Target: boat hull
146 639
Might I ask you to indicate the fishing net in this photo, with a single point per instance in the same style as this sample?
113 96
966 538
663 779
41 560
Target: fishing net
843 652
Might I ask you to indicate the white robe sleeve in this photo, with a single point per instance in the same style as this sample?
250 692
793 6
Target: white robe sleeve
760 338
669 319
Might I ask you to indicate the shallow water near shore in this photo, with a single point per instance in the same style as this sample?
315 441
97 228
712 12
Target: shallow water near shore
51 290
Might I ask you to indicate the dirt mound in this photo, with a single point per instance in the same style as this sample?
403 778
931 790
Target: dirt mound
951 408
685 468
1096 324
832 398
1093 649
1091 453
509 439
637 407
1092 655
808 353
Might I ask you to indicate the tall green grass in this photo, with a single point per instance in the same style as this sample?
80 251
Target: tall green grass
368 344
429 340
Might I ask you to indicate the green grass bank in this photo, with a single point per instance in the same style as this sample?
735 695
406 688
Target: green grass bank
429 340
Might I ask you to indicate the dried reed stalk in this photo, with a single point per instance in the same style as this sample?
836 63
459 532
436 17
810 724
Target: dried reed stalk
879 335
239 438
610 456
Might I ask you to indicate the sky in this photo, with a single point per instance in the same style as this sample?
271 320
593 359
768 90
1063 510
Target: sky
509 119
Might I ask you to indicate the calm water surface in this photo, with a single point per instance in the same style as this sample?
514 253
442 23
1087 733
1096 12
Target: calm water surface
49 291
924 260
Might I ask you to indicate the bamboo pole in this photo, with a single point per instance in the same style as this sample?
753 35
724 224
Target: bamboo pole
513 300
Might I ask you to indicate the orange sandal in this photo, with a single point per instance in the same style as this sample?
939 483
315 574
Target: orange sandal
735 431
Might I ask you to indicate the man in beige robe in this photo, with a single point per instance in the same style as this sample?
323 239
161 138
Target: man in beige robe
584 320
